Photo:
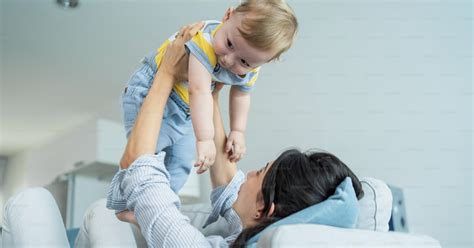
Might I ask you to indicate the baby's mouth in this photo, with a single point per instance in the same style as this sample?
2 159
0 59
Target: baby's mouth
223 64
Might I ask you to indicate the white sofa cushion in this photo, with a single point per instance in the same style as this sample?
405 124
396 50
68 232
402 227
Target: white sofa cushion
375 208
311 235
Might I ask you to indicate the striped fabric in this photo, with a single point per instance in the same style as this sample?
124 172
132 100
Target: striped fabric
201 47
145 189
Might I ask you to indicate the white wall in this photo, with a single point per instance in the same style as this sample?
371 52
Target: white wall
385 85
41 164
2 171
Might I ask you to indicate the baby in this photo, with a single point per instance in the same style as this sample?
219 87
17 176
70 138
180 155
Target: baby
229 52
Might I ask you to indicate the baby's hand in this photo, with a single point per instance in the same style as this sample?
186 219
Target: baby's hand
206 154
236 144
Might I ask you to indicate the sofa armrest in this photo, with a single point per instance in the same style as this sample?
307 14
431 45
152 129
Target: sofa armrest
310 235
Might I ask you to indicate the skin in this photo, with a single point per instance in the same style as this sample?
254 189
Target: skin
144 135
233 52
145 132
249 203
236 55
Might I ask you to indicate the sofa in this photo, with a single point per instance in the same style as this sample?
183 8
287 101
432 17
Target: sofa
372 228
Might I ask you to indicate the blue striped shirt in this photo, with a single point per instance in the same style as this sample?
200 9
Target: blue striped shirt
145 189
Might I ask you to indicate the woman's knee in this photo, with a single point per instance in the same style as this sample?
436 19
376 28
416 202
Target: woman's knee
97 215
101 228
29 197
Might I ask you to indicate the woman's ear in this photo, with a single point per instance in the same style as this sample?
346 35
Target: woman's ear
272 209
259 213
229 12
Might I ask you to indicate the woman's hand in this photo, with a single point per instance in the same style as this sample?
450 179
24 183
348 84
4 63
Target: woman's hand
175 60
145 132
127 216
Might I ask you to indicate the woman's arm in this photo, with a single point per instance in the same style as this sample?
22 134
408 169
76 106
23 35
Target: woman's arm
223 170
144 135
144 187
143 138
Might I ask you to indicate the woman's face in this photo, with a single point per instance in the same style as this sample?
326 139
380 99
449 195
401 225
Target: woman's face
249 201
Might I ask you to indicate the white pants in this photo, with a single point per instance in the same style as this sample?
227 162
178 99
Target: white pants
32 219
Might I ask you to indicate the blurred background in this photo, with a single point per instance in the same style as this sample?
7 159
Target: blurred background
384 85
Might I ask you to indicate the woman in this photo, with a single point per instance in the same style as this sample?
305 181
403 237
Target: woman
290 183
141 193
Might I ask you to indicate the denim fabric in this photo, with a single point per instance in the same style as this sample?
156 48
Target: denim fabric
176 134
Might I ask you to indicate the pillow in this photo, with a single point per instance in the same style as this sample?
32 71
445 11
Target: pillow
375 208
339 210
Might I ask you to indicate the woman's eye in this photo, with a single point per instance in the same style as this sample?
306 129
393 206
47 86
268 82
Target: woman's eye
229 44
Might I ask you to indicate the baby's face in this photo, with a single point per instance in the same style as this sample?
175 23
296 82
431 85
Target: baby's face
233 52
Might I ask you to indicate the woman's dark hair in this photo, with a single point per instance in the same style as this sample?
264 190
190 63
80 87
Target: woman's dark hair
295 181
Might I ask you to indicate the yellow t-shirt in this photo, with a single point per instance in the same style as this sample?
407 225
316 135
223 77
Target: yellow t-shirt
201 47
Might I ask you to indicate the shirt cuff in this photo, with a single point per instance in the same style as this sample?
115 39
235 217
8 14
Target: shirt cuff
116 196
223 197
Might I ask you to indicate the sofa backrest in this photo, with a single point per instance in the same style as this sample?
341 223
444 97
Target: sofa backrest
375 208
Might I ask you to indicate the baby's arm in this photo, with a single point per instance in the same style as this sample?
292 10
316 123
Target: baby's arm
239 108
200 101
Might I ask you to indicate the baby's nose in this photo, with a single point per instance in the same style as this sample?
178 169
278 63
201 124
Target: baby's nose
229 59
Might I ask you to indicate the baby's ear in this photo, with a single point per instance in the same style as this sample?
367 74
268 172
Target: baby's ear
228 13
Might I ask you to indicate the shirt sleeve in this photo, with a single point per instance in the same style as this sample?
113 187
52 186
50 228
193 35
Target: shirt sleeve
222 199
144 188
252 78
201 48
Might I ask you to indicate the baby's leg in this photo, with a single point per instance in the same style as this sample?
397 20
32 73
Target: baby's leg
134 94
175 126
171 127
178 141
179 159
32 219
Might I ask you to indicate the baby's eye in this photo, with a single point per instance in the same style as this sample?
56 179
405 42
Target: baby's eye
244 62
229 44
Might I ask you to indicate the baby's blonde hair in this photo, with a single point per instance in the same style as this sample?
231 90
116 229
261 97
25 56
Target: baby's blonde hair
269 25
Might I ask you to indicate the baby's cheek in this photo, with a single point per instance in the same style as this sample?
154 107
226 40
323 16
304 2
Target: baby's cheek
218 49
